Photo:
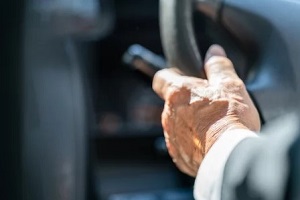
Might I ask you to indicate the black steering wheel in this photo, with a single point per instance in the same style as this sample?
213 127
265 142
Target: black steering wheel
274 80
178 37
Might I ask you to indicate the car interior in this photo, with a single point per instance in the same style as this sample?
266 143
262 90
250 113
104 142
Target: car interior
84 121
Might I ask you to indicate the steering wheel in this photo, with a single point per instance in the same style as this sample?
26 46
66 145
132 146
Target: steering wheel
178 35
274 78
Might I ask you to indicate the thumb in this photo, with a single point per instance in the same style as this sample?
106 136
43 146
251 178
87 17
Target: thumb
217 66
215 50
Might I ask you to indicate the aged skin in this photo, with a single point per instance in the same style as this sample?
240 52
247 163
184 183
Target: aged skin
197 111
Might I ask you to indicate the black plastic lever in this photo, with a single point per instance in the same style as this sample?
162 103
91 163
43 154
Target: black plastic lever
143 60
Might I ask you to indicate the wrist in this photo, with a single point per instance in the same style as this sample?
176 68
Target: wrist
219 128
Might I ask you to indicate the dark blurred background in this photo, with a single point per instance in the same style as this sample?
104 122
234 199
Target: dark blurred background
82 124
79 123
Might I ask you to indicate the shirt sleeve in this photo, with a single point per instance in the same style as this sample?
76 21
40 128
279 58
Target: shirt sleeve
210 175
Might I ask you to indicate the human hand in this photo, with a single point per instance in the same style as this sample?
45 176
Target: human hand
198 111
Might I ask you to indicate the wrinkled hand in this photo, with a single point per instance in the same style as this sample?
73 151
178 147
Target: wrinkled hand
197 111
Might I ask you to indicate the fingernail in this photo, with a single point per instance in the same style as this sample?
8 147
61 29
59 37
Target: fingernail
215 50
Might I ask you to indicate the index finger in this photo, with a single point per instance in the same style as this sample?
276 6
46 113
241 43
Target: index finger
163 81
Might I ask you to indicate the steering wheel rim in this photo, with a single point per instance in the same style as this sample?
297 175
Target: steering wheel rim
178 38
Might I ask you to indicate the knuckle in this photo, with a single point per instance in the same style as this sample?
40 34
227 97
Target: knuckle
173 91
177 89
233 83
238 83
227 81
227 61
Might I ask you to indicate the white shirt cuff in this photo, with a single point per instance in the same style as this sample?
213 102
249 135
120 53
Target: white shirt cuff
209 179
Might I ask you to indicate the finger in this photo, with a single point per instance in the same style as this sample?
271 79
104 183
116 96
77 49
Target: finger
177 158
164 79
173 145
214 50
218 66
